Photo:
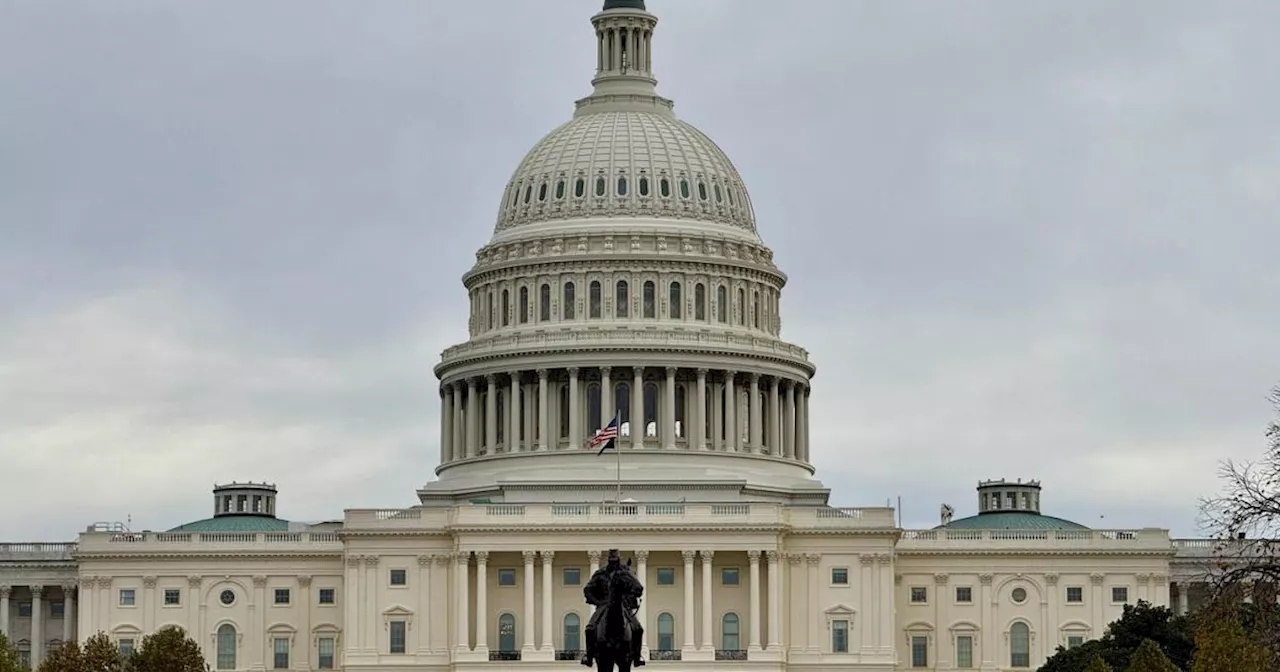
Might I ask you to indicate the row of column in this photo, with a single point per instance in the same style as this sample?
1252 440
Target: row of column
37 616
722 411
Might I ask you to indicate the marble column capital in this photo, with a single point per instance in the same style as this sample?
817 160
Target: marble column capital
753 557
543 374
425 560
5 590
773 556
593 556
37 591
482 557
148 582
304 580
688 556
642 556
573 371
491 378
707 556
547 556
529 556
671 371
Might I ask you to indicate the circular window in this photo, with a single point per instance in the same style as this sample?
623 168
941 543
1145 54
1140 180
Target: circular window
1019 595
227 597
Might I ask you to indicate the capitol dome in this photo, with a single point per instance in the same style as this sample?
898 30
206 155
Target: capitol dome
625 280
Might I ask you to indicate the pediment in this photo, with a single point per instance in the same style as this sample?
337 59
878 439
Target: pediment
841 610
397 610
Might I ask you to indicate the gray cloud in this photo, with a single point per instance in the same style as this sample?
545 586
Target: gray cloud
1024 240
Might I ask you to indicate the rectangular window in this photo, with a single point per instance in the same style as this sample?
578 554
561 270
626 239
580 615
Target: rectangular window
280 653
840 636
1119 594
964 652
282 595
324 653
24 659
24 610
919 651
125 646
126 597
666 576
1075 594
919 595
326 596
172 597
506 577
728 576
397 637
964 594
57 609
1074 641
572 576
399 577
839 576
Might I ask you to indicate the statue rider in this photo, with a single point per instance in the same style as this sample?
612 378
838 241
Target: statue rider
596 593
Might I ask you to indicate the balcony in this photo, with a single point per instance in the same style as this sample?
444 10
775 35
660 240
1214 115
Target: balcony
940 541
505 656
640 515
37 551
731 654
673 654
569 654
230 543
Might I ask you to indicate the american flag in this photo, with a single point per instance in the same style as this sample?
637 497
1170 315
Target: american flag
605 437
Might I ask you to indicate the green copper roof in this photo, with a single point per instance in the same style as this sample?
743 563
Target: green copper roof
1011 520
235 523
624 4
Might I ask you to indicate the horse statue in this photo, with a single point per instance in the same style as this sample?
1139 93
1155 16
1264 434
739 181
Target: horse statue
614 634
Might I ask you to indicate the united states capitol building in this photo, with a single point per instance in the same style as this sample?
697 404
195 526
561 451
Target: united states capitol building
626 277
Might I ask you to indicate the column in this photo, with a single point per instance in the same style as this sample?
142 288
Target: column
753 558
668 421
482 601
527 644
607 396
802 423
370 608
812 605
473 418
350 601
304 643
687 616
1160 590
463 594
424 600
716 438
446 424
775 419
459 447
708 616
637 408
194 583
642 572
775 601
699 414
1184 599
730 411
543 432
753 416
886 604
789 423
513 414
989 627
548 643
575 413
866 589
491 415
148 603
593 557
37 626
4 610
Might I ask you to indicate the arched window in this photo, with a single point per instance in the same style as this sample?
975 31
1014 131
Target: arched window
742 307
648 299
719 196
650 409
568 310
1019 645
684 188
644 186
593 407
722 304
572 633
622 186
595 298
622 402
699 301
702 190
681 402
544 303
506 633
674 300
666 632
729 640
599 186
621 300
755 310
524 305
542 192
528 193
506 307
664 187
559 189
226 647
564 412
515 195
730 195
579 187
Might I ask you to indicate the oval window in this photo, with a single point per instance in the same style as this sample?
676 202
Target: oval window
719 198
599 186
684 188
227 597
702 191
622 186
1019 595
559 190
644 186
579 187
664 187
542 192
528 193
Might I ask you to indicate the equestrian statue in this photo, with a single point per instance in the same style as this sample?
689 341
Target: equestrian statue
614 634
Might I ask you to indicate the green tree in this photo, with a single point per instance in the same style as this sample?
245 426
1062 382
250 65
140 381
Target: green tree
1172 633
65 658
1149 658
1097 664
168 650
1223 646
9 660
99 654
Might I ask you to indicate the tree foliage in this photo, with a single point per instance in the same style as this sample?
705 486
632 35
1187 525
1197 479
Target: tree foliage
1097 664
1139 623
9 660
1223 646
168 650
99 654
1149 658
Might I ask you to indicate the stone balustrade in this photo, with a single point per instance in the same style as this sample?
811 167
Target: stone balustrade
37 551
116 542
1142 540
522 342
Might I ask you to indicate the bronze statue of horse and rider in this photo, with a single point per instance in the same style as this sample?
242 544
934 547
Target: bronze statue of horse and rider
614 634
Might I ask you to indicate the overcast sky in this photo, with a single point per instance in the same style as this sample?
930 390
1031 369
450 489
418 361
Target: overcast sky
1030 240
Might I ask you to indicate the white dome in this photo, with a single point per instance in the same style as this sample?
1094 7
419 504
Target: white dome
626 164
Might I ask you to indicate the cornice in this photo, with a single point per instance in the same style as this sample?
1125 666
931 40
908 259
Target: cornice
201 554
38 564
1033 551
546 268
